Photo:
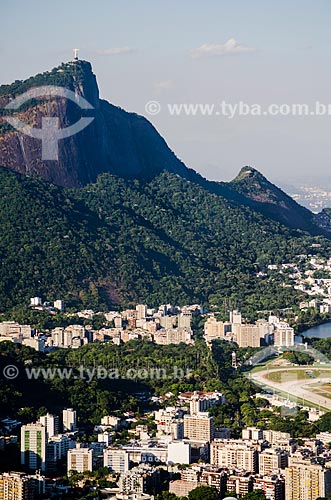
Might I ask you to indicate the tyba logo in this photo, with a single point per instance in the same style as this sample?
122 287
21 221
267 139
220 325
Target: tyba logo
50 132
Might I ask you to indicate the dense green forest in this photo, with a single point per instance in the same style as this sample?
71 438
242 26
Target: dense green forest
118 242
192 368
132 378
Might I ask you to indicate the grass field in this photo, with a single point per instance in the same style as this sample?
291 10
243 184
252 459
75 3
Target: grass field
289 374
281 376
323 389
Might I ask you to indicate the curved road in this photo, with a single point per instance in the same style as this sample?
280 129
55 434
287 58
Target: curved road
299 388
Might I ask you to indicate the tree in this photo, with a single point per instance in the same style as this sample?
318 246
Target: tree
165 495
203 493
254 495
324 422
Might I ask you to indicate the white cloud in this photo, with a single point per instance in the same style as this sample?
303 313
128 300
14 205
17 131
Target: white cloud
114 51
164 85
232 46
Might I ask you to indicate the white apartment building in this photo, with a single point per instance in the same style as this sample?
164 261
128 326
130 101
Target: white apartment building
51 422
179 452
283 335
80 459
234 454
272 460
111 422
141 311
273 437
33 446
59 304
105 437
62 444
69 420
252 433
116 460
235 317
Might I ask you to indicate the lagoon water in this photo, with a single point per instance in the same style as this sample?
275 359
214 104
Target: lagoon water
320 331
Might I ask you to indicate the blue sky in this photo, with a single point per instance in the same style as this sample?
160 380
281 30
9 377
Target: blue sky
142 51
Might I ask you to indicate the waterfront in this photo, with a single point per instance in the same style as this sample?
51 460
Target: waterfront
321 331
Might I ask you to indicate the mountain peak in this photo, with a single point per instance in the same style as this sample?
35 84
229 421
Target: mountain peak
248 172
116 141
68 74
270 200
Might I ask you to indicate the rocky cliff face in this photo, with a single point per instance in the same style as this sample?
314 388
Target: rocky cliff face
116 141
124 144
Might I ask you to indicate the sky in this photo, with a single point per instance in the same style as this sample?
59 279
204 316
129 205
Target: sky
195 52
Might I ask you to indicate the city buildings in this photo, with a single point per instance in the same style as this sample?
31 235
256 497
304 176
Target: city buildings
173 336
273 486
14 486
20 486
214 329
139 479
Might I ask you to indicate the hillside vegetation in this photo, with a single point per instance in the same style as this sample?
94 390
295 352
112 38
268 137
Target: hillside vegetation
120 241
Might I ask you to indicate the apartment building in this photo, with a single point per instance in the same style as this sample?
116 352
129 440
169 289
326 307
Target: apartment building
80 459
51 422
238 485
33 446
69 417
233 454
214 329
273 487
252 433
116 460
14 486
283 335
139 480
174 336
272 460
307 482
199 427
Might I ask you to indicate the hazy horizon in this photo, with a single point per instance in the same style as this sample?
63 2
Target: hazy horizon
257 53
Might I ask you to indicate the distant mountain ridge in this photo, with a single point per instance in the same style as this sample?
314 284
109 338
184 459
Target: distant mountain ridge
127 145
118 242
120 219
272 201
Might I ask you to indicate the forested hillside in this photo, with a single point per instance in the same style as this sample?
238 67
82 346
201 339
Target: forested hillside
120 241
